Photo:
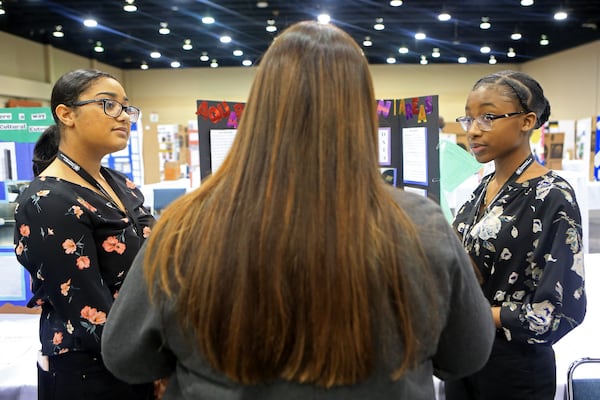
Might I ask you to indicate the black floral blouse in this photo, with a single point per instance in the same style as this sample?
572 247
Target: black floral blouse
78 247
527 246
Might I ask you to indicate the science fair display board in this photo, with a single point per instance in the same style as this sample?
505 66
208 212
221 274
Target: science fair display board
408 144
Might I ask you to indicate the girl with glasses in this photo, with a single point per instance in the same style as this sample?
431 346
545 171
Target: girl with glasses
78 227
522 229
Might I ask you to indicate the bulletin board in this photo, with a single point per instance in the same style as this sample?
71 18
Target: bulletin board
408 144
217 126
15 285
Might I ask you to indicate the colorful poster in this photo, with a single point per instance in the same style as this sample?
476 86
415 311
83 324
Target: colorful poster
597 151
24 125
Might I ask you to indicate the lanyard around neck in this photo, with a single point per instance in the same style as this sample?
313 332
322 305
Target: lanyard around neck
85 175
473 218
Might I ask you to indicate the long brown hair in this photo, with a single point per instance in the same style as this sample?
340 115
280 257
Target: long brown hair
283 262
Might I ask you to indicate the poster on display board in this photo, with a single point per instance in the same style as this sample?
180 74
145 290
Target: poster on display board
408 144
217 126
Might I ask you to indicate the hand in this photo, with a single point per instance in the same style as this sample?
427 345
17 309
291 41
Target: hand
160 386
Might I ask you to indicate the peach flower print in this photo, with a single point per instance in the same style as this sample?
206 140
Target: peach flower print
43 193
63 351
24 230
120 248
94 316
19 249
70 246
109 243
130 184
86 204
146 232
77 211
70 328
64 287
57 339
83 262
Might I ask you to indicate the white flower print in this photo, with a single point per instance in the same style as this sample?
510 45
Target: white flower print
578 264
506 254
543 188
518 295
514 232
513 277
489 226
537 225
559 291
539 316
499 296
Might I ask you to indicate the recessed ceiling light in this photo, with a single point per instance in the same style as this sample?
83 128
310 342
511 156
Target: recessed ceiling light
560 15
58 32
164 28
444 16
204 56
367 42
225 39
262 4
247 63
187 44
98 47
214 63
420 36
516 36
379 26
511 53
391 60
395 3
435 53
130 6
526 3
423 60
485 23
238 53
544 41
175 64
90 23
492 60
208 20
144 65
324 18
485 49
403 50
462 60
155 54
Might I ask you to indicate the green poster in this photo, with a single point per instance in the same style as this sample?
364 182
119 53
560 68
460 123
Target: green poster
24 125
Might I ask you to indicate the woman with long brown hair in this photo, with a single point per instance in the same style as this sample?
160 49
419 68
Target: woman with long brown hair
294 270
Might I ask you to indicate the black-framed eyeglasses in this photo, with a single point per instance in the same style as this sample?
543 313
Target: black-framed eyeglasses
484 121
113 108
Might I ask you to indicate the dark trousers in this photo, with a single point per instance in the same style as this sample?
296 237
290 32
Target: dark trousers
515 371
79 375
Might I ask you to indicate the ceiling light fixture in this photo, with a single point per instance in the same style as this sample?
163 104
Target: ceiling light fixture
435 53
262 4
420 36
58 32
155 54
238 53
379 26
98 47
492 60
175 64
444 16
90 23
391 60
485 23
164 28
516 35
367 42
395 3
423 60
271 26
225 39
544 41
511 53
129 6
403 50
485 49
560 15
144 65
324 18
526 3
208 20
462 60
204 56
187 44
214 63
247 63
2 10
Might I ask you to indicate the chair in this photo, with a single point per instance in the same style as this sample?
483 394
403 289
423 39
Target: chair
582 388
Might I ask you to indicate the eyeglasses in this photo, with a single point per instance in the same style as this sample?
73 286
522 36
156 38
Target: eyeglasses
484 122
113 108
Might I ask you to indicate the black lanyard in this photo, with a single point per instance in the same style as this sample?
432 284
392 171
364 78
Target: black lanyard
473 217
85 175
92 181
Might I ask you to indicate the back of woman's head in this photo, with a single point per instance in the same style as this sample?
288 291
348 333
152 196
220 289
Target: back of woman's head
525 90
69 87
298 249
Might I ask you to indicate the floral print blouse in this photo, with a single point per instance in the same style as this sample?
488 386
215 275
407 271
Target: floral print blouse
527 246
78 247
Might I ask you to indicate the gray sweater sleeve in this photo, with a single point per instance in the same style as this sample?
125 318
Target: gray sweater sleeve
132 344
